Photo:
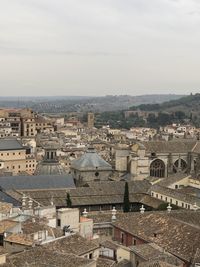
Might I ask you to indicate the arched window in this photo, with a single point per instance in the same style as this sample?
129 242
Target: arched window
157 168
180 166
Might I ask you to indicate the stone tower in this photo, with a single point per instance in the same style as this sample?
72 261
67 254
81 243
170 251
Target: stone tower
90 120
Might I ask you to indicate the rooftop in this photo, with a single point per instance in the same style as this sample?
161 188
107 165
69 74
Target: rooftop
170 146
21 239
34 182
170 231
74 244
90 161
10 144
151 251
5 207
6 225
40 257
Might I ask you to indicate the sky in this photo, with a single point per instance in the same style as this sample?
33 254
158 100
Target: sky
99 47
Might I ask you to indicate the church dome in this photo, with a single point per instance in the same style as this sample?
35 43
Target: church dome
47 168
50 165
90 161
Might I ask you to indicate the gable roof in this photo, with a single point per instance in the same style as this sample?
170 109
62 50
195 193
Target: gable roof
166 230
74 244
169 146
40 256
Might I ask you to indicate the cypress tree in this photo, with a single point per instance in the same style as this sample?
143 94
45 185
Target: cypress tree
68 200
126 206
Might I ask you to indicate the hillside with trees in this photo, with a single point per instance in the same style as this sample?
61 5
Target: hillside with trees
183 110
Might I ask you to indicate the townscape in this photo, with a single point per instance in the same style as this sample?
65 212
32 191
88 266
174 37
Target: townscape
76 195
99 133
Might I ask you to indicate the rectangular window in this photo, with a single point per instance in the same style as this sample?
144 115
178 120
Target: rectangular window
58 222
134 242
122 238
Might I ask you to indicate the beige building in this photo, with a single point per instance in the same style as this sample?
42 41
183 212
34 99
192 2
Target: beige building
43 125
68 217
13 157
28 127
20 121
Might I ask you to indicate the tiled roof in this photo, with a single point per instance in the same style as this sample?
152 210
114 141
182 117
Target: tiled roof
169 146
101 262
74 244
173 179
21 239
151 251
167 231
40 257
36 224
6 225
5 207
175 193
109 244
156 263
97 193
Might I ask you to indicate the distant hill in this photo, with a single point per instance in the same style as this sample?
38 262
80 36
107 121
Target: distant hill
83 104
186 109
187 104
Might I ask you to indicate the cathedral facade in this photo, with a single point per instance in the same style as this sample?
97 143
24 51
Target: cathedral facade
158 158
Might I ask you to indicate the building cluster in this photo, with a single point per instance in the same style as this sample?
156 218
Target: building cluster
62 191
176 131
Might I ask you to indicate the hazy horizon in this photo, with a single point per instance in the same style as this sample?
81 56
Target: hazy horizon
84 96
92 47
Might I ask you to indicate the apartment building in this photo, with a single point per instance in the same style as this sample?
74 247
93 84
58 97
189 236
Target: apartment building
14 158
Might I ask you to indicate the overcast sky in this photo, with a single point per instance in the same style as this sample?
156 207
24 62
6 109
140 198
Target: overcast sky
99 47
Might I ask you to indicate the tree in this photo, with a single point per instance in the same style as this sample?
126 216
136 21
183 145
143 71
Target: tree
126 206
68 200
